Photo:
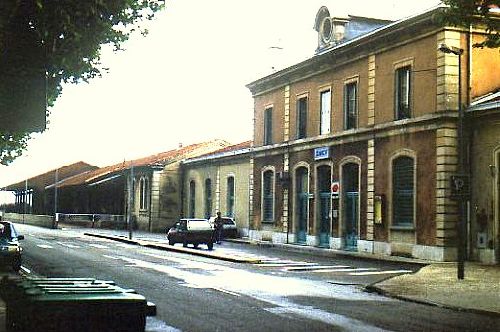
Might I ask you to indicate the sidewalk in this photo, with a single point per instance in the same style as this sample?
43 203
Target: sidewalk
435 284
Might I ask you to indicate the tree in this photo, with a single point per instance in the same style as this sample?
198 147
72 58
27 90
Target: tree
464 13
62 41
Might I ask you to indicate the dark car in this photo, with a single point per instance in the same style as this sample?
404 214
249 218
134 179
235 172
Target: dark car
10 251
192 231
229 228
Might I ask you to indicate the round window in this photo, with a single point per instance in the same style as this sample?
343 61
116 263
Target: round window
326 29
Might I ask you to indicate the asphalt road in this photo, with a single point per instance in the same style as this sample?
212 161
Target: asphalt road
286 292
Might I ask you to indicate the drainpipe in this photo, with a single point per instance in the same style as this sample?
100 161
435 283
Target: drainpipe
181 185
468 138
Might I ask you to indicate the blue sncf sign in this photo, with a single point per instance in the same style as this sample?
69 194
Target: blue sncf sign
321 153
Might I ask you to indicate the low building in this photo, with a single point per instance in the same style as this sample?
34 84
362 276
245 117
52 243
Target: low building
151 186
219 181
31 194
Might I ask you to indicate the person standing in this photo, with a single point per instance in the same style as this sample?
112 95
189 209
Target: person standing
219 225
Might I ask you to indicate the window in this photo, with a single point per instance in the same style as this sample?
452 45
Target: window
144 193
268 126
268 196
302 118
325 100
351 106
230 196
402 95
192 199
402 191
208 198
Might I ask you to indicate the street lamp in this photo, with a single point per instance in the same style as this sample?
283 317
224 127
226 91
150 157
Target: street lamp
460 182
56 180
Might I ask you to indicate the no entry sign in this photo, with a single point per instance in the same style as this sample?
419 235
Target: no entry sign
335 188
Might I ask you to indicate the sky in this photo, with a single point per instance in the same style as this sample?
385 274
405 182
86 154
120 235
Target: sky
184 82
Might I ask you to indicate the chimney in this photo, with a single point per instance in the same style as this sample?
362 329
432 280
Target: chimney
338 27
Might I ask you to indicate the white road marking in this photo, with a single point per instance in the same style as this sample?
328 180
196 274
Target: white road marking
155 325
319 267
282 264
111 257
25 270
274 290
44 246
98 246
347 270
226 291
379 272
69 245
125 245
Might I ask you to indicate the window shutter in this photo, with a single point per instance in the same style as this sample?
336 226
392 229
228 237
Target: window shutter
403 191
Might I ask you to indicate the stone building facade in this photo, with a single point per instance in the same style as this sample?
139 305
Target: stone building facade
483 117
219 181
355 147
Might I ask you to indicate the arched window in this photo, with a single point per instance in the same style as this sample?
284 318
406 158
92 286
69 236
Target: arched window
403 191
208 198
230 196
192 198
268 196
144 193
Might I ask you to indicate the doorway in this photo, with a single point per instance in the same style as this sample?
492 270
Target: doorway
302 199
350 211
323 219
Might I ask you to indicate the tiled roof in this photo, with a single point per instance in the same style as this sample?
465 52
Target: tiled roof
47 178
231 150
161 159
235 147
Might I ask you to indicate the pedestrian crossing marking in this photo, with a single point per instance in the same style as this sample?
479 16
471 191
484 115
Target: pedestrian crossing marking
379 272
44 246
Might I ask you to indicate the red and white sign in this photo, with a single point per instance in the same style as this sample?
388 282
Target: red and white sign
335 188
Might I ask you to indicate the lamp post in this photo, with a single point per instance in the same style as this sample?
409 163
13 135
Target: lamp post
25 198
56 179
460 182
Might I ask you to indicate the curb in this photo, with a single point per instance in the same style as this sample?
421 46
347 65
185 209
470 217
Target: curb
372 288
326 252
115 238
166 247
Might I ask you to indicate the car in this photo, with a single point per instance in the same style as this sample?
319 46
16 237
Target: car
229 229
10 250
192 231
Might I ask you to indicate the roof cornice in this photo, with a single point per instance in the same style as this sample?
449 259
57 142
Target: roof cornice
362 46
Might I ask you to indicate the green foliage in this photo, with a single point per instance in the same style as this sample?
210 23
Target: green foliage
12 146
68 39
464 13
